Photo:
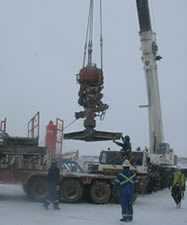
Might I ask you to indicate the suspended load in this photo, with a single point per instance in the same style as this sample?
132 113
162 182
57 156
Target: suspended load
91 81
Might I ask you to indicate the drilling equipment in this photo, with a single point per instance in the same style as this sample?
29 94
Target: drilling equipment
91 81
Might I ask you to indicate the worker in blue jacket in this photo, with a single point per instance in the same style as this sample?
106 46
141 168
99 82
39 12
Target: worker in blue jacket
53 182
126 181
126 146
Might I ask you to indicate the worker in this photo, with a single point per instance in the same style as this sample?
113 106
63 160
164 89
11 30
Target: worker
126 146
178 187
53 184
126 181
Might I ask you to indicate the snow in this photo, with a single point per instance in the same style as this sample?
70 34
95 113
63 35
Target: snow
155 209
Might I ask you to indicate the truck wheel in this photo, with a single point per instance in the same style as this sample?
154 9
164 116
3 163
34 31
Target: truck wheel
71 191
37 188
100 192
144 185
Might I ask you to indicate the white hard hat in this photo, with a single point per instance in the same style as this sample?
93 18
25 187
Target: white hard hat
126 163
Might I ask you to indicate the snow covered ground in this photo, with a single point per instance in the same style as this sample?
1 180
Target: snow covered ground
154 209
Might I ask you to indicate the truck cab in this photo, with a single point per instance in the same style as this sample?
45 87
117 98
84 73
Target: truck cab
111 161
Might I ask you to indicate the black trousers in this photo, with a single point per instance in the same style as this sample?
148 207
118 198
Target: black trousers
176 193
52 193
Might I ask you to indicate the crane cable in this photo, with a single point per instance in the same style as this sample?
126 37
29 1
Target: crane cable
89 31
89 35
68 125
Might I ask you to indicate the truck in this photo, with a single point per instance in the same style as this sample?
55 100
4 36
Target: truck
156 164
24 162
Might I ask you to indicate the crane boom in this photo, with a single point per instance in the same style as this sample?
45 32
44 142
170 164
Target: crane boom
149 57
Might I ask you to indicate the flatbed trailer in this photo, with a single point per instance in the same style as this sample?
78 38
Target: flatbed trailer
24 162
73 187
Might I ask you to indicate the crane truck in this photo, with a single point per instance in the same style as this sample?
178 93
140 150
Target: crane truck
155 165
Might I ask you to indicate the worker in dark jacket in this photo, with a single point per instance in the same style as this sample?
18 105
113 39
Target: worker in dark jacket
125 144
126 181
53 182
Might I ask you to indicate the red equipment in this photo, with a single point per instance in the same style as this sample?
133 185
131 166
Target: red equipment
90 78
91 81
91 75
51 135
54 136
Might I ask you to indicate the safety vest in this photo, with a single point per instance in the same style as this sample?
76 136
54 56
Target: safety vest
179 179
124 179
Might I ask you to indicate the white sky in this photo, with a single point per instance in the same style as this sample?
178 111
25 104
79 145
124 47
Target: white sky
41 48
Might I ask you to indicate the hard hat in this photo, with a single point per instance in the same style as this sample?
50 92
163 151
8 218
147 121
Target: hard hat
126 163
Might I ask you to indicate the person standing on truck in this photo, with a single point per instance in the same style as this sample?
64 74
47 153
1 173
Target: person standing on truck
126 181
53 182
178 187
126 146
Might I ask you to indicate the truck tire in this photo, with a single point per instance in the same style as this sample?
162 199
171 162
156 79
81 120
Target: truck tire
37 188
100 192
71 191
144 185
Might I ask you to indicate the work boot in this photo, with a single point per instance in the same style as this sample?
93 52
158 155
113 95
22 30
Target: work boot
46 205
124 219
56 206
179 205
129 218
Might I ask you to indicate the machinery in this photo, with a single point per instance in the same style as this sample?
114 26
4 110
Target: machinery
160 152
157 163
154 166
91 81
23 161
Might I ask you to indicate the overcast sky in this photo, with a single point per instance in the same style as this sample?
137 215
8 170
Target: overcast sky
41 48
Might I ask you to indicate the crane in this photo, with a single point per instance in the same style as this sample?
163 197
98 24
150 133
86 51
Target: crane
150 57
153 168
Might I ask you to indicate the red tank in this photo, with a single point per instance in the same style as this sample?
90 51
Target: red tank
90 75
51 137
